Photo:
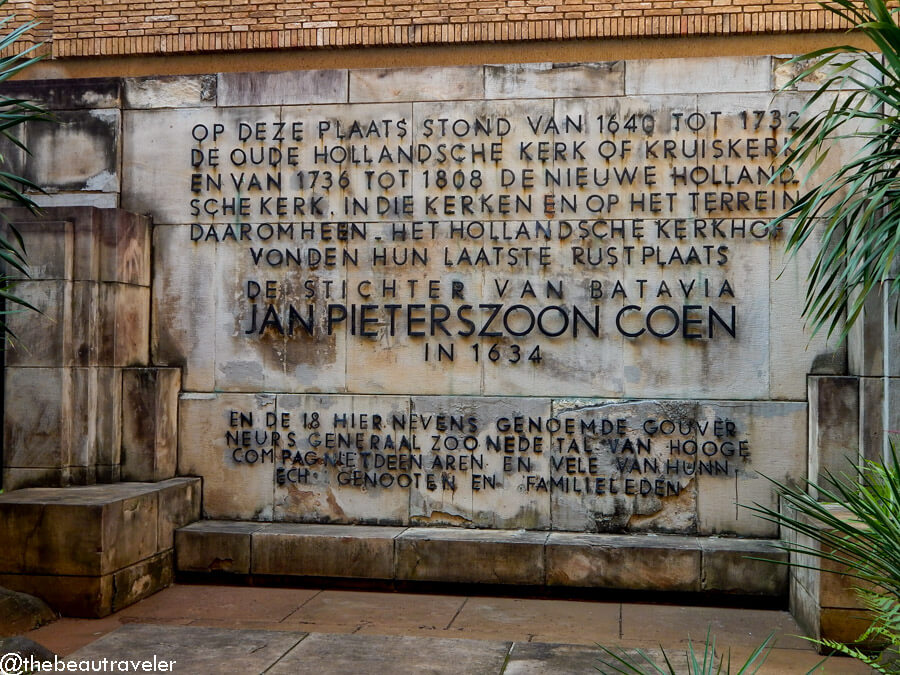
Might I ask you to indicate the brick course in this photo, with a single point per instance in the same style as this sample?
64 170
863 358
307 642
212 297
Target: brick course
119 27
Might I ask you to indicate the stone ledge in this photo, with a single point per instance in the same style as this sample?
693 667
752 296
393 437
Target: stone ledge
91 550
621 562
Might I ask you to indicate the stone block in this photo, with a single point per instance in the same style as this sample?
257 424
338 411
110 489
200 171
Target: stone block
461 497
833 426
78 596
100 200
776 442
107 415
681 76
728 566
68 94
90 530
43 338
78 152
471 556
879 415
867 342
123 315
215 546
173 91
149 423
311 491
136 582
614 480
416 84
232 489
84 325
843 625
288 88
124 243
623 562
324 550
554 80
16 478
793 350
179 505
48 247
38 418
93 597
183 298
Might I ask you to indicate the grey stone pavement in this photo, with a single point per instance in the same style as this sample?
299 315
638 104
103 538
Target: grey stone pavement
225 629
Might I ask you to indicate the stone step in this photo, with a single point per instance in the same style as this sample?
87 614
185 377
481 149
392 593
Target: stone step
452 555
91 550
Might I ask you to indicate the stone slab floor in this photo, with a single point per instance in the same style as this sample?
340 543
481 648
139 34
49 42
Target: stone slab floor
225 629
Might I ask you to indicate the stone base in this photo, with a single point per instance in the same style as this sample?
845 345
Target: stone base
439 555
89 551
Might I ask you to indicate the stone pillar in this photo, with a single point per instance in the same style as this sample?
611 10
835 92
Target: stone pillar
63 386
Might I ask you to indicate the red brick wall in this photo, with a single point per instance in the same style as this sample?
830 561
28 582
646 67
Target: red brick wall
112 27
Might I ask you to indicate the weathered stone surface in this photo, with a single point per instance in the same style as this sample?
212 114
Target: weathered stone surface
124 247
879 415
343 653
615 479
124 324
416 84
136 582
623 562
20 612
195 649
727 567
231 490
324 550
174 91
214 546
546 80
289 88
79 596
38 420
149 423
311 491
48 246
100 200
179 505
69 94
793 352
45 338
687 75
776 438
867 340
471 556
833 426
535 658
79 152
462 497
183 300
89 530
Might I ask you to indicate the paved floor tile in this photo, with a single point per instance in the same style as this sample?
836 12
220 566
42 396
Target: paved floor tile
532 658
412 610
671 625
566 621
363 654
222 602
195 650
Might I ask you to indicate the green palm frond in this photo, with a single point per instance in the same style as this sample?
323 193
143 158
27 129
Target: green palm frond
858 205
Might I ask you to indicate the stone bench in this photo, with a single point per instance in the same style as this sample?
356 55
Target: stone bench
91 550
645 562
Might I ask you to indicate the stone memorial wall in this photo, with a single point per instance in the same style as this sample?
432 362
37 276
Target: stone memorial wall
521 296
